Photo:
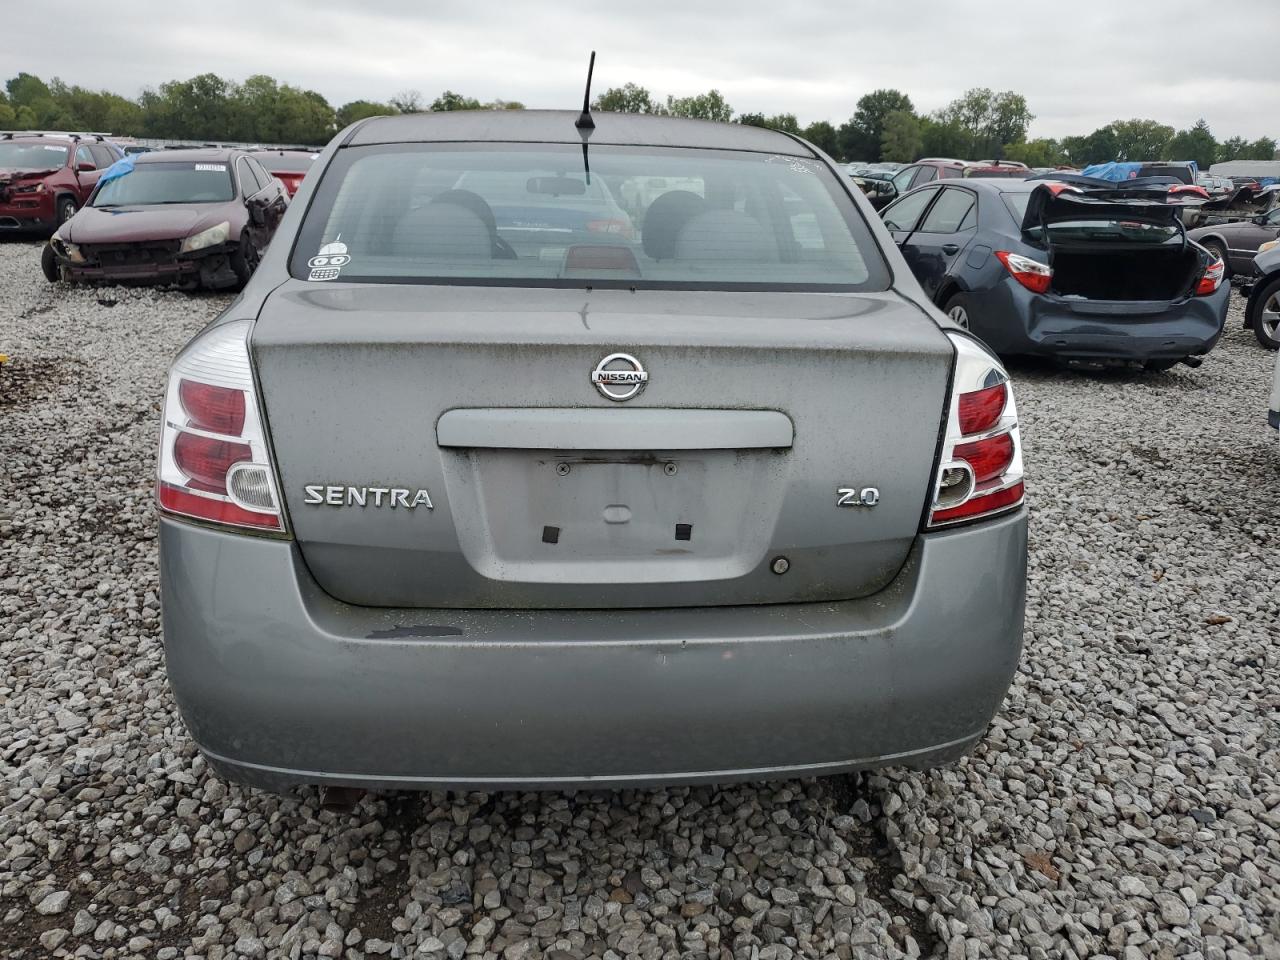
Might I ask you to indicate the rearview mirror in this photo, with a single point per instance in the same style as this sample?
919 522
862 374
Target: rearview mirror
84 166
257 212
556 186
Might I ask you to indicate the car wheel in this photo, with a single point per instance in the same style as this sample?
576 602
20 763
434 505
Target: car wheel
1264 315
66 209
245 260
957 309
49 264
1215 248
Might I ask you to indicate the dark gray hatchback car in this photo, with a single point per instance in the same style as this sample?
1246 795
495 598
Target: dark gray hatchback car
534 456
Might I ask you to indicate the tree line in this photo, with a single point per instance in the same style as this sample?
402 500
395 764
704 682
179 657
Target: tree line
885 126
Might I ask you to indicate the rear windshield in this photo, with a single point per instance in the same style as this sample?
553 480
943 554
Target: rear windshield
149 183
533 215
1117 230
32 156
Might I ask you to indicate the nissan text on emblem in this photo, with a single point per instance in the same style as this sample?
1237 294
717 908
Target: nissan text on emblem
619 376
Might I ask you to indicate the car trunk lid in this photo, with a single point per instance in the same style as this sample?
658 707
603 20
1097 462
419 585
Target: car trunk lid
1122 245
445 446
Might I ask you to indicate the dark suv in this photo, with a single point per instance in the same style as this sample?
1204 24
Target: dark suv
46 178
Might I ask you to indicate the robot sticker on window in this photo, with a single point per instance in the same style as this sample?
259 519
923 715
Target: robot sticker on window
327 264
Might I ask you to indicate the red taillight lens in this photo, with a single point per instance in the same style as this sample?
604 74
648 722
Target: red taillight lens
989 458
177 500
216 409
1211 279
980 504
981 409
214 464
206 461
980 473
1032 274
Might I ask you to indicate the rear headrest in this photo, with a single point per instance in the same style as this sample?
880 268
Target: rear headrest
473 202
664 220
725 235
443 231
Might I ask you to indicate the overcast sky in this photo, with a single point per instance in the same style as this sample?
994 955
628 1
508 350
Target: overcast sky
1172 61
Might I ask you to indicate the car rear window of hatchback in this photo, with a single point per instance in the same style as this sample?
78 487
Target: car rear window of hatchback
543 215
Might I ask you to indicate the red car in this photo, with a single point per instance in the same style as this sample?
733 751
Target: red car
192 217
46 178
287 166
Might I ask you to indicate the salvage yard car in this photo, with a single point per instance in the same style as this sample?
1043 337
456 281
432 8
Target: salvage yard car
1262 310
452 501
192 217
1044 268
287 166
1237 241
45 179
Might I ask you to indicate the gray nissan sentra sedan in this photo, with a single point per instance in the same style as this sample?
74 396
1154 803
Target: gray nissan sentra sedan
538 456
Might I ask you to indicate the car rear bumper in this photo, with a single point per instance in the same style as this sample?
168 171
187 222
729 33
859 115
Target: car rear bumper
1049 326
281 684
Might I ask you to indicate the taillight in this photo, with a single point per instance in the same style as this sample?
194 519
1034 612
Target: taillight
1032 274
1211 279
981 469
621 227
214 465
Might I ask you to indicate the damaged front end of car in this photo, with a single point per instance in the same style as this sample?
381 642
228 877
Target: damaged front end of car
209 265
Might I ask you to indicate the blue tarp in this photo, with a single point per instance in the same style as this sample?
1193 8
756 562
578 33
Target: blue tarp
118 169
1118 171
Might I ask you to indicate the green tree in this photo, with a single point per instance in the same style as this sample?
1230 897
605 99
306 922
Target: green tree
1264 148
349 113
410 101
786 122
1041 152
1233 148
504 105
902 139
199 108
1196 143
1141 139
942 138
704 106
628 98
32 99
860 136
1101 146
823 136
752 119
988 119
446 101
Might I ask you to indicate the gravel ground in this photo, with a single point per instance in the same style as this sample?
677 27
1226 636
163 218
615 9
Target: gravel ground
1125 804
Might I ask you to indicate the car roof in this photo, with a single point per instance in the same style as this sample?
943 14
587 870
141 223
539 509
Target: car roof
201 155
43 138
557 126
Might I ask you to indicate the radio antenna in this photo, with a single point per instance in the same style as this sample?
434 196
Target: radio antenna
584 121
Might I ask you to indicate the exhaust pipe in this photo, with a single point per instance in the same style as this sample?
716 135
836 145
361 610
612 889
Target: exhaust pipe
340 799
